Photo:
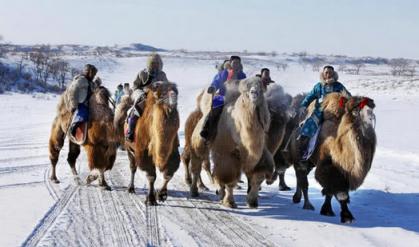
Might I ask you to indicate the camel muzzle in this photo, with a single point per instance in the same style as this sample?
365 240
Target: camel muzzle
253 94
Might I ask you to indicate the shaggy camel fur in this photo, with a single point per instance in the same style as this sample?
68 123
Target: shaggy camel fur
345 150
196 151
281 158
101 142
190 124
240 142
156 141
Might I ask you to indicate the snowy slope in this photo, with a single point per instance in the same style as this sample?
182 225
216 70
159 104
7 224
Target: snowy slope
44 214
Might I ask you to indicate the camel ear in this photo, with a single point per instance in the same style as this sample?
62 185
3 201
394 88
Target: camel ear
243 86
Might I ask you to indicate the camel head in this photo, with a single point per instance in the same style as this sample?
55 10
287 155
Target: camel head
165 94
252 90
361 109
101 96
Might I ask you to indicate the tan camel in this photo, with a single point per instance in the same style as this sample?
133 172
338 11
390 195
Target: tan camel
156 141
345 150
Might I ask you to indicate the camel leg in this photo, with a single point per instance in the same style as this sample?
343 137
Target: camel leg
186 160
228 200
256 180
172 166
327 209
56 142
102 181
298 192
195 170
133 168
201 184
302 181
221 191
73 153
151 197
345 215
207 167
282 185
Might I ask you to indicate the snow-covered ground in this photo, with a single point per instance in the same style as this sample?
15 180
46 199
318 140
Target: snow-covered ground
45 214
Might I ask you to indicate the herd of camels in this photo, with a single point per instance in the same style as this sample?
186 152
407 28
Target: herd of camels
253 129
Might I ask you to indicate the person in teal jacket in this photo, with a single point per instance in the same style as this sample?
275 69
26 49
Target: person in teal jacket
328 84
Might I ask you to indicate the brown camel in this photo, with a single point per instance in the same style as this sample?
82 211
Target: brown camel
156 141
100 144
281 158
345 150
190 124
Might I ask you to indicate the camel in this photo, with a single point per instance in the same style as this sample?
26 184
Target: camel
100 144
345 150
190 124
156 141
281 158
278 104
239 143
196 152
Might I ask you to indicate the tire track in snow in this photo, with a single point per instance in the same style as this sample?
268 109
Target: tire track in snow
204 221
48 220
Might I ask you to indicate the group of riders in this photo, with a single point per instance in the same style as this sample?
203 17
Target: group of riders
82 86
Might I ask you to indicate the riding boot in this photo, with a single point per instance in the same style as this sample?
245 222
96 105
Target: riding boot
303 142
132 122
209 130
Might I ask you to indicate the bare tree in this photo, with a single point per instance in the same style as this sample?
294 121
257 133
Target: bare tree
398 66
282 66
411 70
342 68
20 64
316 65
41 57
357 66
59 71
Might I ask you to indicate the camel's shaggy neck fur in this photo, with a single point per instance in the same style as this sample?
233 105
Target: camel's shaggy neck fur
251 120
354 148
158 127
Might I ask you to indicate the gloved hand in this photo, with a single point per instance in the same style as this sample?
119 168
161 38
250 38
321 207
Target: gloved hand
211 90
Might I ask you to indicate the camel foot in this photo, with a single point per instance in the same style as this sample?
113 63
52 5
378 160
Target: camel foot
106 187
131 190
55 180
202 187
194 193
151 200
296 198
308 206
91 178
230 204
284 187
162 195
346 217
252 203
327 211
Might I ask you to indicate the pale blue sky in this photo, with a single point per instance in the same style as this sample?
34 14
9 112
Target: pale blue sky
387 28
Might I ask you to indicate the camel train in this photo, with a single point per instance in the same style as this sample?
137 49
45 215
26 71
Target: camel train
257 134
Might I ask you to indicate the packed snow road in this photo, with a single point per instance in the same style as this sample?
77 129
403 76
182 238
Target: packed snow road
37 213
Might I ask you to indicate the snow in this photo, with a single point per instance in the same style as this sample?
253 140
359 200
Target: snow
384 207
